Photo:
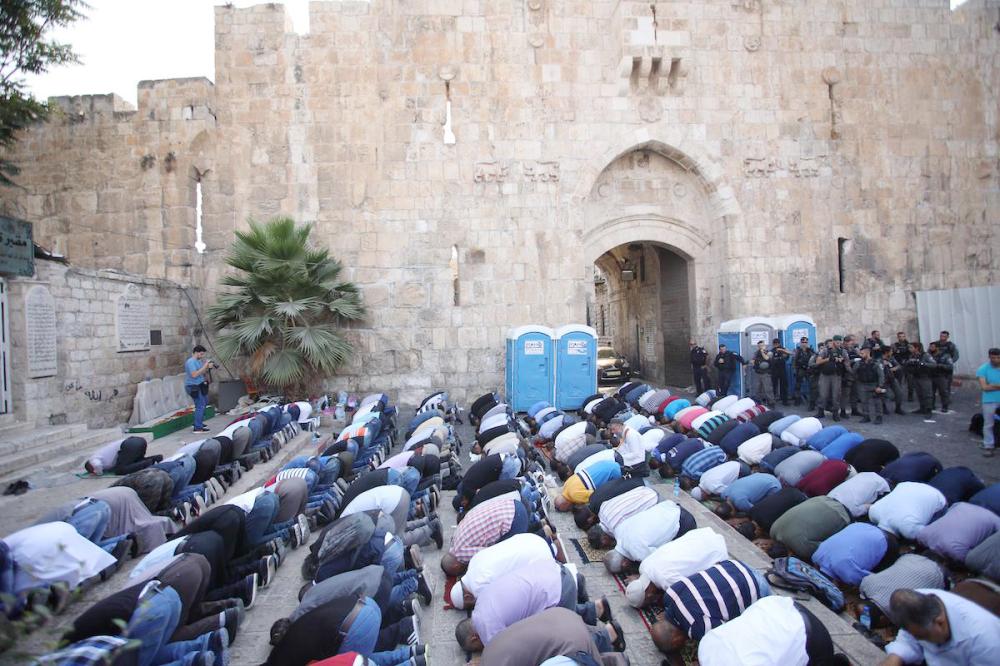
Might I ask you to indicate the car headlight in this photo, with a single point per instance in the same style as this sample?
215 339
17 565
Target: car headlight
625 364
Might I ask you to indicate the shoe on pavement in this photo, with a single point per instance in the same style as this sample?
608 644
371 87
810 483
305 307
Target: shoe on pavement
437 533
424 590
218 643
416 558
606 615
268 566
414 636
248 590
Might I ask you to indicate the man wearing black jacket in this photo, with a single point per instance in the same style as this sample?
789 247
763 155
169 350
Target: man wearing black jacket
699 359
726 363
804 389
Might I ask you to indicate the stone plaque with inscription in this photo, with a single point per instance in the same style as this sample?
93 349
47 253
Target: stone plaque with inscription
40 319
132 320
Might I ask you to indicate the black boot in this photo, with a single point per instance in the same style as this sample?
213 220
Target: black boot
820 414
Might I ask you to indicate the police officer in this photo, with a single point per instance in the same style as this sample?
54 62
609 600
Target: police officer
803 390
941 376
779 371
894 380
876 344
919 368
699 368
901 353
762 375
726 363
830 363
946 346
850 388
869 378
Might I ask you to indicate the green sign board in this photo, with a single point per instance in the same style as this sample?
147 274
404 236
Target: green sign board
17 249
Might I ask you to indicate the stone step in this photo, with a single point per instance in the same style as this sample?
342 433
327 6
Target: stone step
11 428
31 438
57 453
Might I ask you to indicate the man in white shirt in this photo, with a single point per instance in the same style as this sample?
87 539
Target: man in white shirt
696 550
639 535
771 631
907 509
394 501
628 442
859 492
494 561
618 509
51 553
720 477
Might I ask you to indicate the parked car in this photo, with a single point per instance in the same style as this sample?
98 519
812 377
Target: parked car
611 366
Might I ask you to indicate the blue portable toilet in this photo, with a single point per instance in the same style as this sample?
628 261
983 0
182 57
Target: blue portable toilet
576 365
741 336
791 328
530 366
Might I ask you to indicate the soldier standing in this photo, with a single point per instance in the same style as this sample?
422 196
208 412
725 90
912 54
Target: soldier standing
699 369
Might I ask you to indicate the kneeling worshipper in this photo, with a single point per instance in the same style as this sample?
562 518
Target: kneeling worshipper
871 455
617 509
90 518
984 559
486 524
345 623
394 501
130 517
963 527
909 570
914 466
586 515
121 457
155 488
168 616
519 551
767 511
261 508
744 493
859 492
686 555
555 632
775 630
906 510
855 552
581 485
714 481
524 593
639 535
938 627
705 600
803 527
41 556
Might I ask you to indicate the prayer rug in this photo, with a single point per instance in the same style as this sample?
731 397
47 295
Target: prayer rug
651 614
587 554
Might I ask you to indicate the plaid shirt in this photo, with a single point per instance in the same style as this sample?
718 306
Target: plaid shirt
94 651
482 527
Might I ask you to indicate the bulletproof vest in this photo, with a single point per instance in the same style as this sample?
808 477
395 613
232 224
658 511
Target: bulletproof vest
866 373
698 356
829 368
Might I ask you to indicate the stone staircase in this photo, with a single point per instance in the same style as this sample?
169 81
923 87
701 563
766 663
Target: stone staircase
28 450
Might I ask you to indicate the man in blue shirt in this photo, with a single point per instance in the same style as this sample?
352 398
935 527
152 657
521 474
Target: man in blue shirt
196 384
743 494
989 384
941 628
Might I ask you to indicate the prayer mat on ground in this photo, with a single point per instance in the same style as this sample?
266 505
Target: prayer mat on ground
588 554
650 614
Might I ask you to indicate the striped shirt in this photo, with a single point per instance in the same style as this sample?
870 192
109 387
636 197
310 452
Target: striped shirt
482 527
751 414
570 440
707 426
910 571
654 400
617 509
701 461
551 427
711 597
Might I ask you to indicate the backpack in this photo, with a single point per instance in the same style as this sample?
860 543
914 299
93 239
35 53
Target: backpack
791 573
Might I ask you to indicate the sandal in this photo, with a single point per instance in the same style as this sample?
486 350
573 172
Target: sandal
619 643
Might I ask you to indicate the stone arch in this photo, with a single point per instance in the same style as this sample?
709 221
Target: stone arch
674 146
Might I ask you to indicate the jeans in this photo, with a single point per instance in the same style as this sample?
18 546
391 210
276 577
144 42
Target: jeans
989 415
259 526
200 402
153 622
519 524
392 556
511 467
91 521
404 584
181 471
363 635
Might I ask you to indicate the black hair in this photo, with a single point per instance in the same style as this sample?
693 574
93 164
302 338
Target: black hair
994 351
911 608
198 348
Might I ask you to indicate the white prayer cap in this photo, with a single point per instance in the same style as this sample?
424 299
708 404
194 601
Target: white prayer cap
636 591
458 595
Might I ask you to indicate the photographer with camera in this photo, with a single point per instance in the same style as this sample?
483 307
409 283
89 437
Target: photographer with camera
196 382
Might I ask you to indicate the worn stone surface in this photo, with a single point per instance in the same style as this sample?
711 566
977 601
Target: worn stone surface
746 136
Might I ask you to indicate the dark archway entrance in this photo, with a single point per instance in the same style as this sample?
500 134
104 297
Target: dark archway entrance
642 306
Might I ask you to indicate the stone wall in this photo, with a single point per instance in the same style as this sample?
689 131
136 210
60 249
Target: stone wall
94 383
503 133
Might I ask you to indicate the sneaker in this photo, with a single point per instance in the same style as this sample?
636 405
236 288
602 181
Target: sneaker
988 453
294 536
820 414
416 558
122 548
199 504
202 429
232 618
304 525
268 566
248 590
218 643
424 590
437 533
414 636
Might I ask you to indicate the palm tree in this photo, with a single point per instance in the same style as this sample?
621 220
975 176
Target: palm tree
288 308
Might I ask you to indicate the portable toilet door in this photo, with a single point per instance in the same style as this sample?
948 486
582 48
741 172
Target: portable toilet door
530 367
748 330
791 328
576 365
731 338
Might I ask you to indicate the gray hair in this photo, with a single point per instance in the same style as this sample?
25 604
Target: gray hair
911 608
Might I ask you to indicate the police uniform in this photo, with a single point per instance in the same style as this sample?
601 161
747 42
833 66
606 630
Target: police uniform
869 376
901 354
699 357
829 374
919 370
941 378
803 390
726 364
779 373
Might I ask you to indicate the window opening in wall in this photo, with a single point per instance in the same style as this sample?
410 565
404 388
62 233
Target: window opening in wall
449 134
199 243
842 248
155 337
453 265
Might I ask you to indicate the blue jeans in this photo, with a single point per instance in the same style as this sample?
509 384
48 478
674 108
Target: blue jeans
392 555
91 521
181 472
519 524
200 402
363 635
153 622
404 583
511 467
259 527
